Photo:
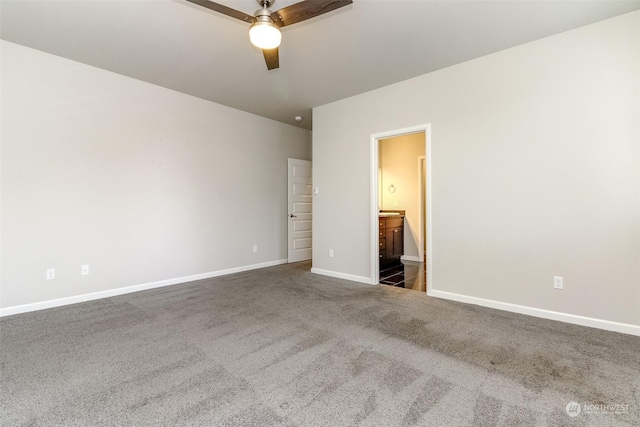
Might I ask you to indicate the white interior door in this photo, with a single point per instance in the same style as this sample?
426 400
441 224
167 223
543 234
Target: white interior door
300 199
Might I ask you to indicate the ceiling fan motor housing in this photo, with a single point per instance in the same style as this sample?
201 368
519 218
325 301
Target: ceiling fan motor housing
263 15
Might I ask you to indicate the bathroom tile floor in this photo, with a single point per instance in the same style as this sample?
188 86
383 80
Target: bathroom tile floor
408 275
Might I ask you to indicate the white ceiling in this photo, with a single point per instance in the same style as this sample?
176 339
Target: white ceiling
364 46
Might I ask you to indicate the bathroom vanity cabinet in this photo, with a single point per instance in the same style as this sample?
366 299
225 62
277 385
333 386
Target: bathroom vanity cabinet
391 229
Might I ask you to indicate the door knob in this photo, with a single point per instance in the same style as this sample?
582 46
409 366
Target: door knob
293 216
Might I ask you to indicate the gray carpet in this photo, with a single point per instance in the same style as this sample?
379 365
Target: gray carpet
280 346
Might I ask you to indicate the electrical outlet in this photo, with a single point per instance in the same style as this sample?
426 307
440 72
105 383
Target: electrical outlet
330 253
557 282
51 274
255 248
84 270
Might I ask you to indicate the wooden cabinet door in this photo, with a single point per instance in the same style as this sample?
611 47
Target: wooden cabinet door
394 243
391 231
398 242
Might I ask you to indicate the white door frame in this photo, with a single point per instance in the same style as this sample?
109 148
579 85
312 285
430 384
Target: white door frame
373 220
422 166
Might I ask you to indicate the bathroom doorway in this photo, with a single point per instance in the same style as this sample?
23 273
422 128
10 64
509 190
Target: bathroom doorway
401 197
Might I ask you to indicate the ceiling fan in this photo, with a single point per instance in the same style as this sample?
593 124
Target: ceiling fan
264 32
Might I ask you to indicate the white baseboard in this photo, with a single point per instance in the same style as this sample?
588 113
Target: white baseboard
410 258
607 325
130 289
514 308
624 328
345 276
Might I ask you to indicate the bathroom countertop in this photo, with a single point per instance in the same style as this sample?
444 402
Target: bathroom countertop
390 213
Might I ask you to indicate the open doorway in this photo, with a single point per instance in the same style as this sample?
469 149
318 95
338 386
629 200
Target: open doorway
401 203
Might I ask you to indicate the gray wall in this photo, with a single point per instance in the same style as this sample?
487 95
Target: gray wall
535 173
142 183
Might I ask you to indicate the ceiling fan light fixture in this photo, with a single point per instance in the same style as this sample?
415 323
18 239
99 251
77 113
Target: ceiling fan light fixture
265 35
264 32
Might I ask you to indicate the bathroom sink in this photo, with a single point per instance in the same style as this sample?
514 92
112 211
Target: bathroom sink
389 214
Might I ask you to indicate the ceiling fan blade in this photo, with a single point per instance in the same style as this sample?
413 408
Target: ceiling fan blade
225 10
305 10
271 58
